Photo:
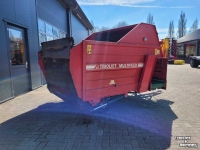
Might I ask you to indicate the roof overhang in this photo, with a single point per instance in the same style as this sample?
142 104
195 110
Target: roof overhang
77 11
189 38
187 43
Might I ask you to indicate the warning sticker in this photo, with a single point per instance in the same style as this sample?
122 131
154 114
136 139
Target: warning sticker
157 52
113 66
112 82
89 49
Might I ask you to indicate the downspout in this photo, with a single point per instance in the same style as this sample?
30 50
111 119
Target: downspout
70 22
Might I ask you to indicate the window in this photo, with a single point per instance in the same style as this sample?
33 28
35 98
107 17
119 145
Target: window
62 34
190 51
180 52
49 29
47 32
41 26
55 32
42 37
16 47
49 38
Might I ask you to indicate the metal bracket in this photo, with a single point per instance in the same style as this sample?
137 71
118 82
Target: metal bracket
109 102
26 64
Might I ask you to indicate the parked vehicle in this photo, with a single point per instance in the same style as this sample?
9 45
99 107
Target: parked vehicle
194 61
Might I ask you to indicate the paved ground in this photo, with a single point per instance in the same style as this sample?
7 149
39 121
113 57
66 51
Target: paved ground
39 120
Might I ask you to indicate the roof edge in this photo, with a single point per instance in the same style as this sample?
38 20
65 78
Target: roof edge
77 11
195 35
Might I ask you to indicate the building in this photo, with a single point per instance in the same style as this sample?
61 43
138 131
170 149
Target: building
189 45
24 25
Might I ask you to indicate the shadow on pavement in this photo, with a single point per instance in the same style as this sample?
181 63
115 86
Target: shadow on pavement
135 122
197 68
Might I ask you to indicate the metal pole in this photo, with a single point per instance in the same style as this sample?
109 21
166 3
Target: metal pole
109 102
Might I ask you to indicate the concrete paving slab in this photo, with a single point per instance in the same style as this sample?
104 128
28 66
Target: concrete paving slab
152 120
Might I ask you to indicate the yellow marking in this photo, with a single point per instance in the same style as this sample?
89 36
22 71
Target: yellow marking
89 49
157 52
112 82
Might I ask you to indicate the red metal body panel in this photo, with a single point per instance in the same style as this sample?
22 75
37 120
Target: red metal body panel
139 33
76 60
94 96
160 71
41 63
147 72
112 74
96 82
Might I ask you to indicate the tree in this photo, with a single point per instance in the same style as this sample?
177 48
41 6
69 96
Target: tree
181 25
120 24
103 28
171 29
194 26
150 19
95 28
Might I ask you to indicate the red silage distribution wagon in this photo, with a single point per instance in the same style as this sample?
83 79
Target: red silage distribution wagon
105 64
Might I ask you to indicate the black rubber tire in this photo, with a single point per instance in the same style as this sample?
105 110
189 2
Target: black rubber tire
193 63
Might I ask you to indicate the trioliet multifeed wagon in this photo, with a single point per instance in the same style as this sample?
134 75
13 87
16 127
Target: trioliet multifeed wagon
105 64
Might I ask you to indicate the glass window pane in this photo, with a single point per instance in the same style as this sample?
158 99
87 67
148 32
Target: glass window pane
49 38
55 32
49 29
41 25
42 38
16 47
55 38
180 52
190 51
62 34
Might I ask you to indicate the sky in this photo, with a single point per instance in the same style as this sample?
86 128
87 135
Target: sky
109 12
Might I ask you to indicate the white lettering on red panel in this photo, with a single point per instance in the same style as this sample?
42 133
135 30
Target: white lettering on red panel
113 66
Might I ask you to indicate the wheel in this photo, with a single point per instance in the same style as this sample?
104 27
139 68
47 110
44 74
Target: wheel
193 63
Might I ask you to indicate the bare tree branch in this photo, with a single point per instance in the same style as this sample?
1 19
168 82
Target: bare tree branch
171 29
95 28
103 28
121 24
194 26
150 19
181 25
